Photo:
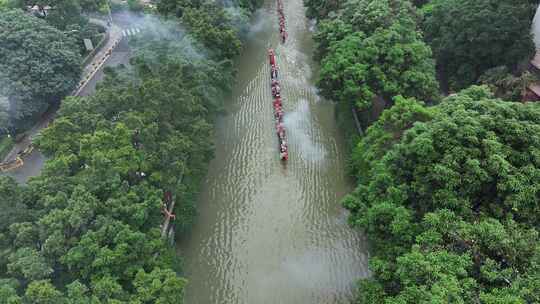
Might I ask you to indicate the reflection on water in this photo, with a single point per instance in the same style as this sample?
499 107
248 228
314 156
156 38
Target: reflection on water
269 232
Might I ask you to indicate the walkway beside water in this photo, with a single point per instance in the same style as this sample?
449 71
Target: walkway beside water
269 232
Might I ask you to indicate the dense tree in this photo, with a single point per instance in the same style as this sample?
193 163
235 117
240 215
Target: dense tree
364 16
372 51
211 26
65 9
92 5
447 194
87 229
505 84
42 292
321 8
159 286
59 13
385 132
390 62
40 73
420 3
11 203
176 7
470 36
452 207
251 5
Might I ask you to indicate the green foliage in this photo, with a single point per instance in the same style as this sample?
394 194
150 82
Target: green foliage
92 5
62 13
8 295
385 132
87 229
505 85
451 204
42 292
135 5
59 13
470 36
321 8
159 286
371 49
84 30
363 16
390 62
6 143
211 26
250 5
40 73
359 69
176 7
447 194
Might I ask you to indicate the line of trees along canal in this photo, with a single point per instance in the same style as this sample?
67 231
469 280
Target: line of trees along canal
87 229
448 187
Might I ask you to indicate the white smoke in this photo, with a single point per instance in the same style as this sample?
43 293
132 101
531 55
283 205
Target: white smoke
299 124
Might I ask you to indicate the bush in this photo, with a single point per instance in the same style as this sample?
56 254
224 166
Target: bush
6 143
135 5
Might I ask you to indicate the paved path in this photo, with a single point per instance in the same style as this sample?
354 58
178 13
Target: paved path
87 75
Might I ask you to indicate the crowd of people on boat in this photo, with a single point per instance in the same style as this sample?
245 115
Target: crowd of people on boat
282 30
278 107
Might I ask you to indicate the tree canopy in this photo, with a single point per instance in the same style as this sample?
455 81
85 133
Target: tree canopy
210 24
448 193
390 62
373 49
364 16
87 230
385 132
470 36
321 8
38 63
451 208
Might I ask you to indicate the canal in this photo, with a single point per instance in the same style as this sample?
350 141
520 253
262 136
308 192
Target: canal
269 232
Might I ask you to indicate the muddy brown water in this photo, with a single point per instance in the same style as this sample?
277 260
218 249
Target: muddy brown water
269 232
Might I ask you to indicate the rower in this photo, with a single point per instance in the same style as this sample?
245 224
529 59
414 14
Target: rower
271 56
274 73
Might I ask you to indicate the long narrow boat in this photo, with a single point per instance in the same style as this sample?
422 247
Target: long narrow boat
278 106
281 14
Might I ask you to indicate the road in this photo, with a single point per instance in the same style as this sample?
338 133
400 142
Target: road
34 162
